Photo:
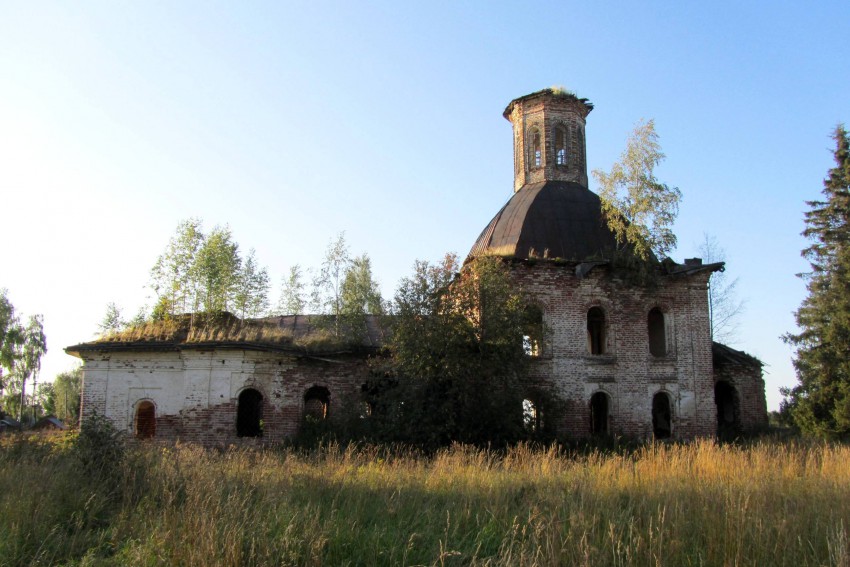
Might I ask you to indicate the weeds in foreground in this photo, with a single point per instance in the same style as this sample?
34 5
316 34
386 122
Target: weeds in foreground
663 504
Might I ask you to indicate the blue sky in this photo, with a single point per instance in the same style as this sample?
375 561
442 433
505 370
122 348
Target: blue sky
294 121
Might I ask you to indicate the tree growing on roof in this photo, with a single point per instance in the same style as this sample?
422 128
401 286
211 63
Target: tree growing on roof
820 403
638 208
326 297
204 272
216 270
173 274
252 289
112 321
292 293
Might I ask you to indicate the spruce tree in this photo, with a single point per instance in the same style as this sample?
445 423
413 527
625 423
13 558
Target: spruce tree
820 403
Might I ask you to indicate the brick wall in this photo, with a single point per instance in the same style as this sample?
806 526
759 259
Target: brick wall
626 371
745 377
196 392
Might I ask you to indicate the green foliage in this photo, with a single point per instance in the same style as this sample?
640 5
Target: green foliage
216 270
820 403
360 296
11 341
292 293
326 297
112 320
457 363
100 448
360 293
21 350
45 399
67 389
252 291
200 272
344 292
637 207
173 274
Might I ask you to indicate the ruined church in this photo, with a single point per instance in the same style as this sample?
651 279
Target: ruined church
626 359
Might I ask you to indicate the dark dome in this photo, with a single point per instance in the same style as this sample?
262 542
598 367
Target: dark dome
555 219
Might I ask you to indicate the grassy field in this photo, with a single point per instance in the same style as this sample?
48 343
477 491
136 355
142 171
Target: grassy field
768 503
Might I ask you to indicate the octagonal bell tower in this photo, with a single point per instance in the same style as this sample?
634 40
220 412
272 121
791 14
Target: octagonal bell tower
549 142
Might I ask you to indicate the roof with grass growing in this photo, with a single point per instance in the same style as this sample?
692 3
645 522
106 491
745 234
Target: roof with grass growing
295 334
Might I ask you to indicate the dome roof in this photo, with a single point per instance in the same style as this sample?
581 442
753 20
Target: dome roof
553 219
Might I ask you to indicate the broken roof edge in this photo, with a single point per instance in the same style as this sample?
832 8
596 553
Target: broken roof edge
694 266
672 267
551 91
171 346
725 354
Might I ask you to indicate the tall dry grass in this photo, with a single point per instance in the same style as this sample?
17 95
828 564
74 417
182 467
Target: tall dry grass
694 504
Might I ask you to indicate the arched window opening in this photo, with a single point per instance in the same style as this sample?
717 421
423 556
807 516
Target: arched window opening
532 337
657 333
662 422
535 150
596 330
366 409
726 398
532 419
316 403
145 422
599 413
560 145
249 414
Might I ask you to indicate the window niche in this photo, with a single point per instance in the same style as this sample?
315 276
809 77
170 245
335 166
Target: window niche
533 331
662 416
144 425
657 333
249 414
561 153
535 149
596 335
532 418
728 419
599 413
316 403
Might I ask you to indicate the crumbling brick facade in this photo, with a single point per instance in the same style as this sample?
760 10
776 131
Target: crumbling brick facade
626 372
196 393
743 374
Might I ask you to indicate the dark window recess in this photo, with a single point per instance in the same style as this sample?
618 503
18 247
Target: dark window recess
316 403
145 426
596 330
599 413
657 333
726 399
662 424
249 414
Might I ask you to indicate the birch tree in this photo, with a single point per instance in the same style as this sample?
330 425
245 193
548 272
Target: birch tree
638 208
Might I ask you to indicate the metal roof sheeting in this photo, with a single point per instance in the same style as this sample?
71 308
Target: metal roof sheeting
553 219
